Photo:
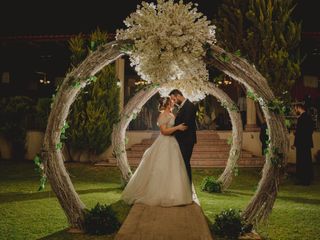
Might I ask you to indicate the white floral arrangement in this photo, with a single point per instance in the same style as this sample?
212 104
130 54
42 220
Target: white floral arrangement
169 44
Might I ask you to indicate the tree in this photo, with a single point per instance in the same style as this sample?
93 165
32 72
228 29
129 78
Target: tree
15 117
96 109
266 34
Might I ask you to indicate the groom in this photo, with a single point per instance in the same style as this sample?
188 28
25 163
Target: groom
186 114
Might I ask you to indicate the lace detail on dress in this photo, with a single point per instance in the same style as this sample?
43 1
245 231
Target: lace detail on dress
164 118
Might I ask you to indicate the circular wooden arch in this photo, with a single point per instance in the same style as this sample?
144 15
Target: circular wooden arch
262 202
139 100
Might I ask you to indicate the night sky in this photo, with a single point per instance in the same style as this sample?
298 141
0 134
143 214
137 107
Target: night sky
68 17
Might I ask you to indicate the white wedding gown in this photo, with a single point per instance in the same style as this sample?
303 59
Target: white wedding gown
161 178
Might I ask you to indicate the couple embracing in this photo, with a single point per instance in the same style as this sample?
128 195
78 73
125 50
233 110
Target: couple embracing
163 177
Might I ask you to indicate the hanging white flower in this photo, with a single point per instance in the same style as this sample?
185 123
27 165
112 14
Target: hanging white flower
169 40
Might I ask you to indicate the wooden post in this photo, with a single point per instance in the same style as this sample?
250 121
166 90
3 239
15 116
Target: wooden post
120 72
251 124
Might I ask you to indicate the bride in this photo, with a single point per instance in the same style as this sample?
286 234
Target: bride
161 178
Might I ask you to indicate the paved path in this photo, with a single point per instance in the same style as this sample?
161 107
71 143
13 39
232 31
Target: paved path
161 223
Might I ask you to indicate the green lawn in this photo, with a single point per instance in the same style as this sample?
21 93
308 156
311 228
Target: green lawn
26 213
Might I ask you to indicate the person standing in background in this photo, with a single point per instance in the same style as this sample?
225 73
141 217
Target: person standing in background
263 137
303 143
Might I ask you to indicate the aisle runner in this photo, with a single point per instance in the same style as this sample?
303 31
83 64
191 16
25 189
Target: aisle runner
172 223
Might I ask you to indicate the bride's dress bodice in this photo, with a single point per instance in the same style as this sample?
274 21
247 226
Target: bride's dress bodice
167 119
171 122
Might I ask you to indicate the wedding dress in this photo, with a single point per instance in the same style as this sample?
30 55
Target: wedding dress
161 178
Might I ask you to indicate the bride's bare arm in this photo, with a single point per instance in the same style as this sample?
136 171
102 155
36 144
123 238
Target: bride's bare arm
168 131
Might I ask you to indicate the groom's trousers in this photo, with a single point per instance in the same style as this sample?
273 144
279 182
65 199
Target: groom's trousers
186 151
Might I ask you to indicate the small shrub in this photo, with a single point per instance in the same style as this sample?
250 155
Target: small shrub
101 219
42 113
15 112
122 209
210 184
230 224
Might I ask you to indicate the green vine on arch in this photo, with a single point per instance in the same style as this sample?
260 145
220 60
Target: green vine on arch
40 170
231 107
89 80
276 105
63 136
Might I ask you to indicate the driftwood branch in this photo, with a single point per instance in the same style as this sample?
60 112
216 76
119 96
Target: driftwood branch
240 70
119 130
51 154
237 134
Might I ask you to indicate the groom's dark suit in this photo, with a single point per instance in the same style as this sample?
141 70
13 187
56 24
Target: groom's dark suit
187 138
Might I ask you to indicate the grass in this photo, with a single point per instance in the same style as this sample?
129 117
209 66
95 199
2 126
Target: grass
26 213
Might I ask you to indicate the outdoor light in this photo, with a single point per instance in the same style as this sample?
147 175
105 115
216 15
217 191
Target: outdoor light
140 82
226 82
44 79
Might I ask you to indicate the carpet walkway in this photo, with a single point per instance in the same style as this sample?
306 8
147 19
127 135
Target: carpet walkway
165 223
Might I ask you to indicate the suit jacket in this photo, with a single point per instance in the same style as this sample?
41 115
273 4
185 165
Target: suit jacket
304 130
187 115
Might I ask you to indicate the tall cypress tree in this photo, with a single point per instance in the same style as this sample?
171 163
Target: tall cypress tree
266 34
96 109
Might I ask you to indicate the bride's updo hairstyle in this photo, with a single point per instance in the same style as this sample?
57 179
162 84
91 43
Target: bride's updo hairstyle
163 103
